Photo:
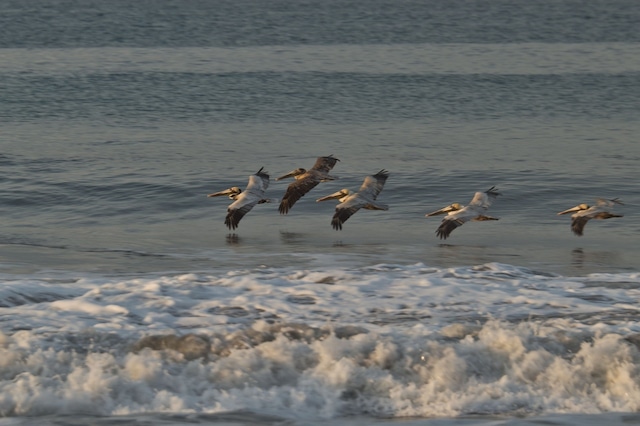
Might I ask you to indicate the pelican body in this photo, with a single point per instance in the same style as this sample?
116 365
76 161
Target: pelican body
582 213
351 202
245 200
305 181
457 215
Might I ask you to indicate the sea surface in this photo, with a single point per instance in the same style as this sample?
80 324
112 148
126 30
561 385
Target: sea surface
124 299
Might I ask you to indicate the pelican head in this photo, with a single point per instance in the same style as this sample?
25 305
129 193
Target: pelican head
336 195
232 192
577 208
450 208
293 173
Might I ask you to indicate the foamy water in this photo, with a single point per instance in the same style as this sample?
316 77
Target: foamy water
388 341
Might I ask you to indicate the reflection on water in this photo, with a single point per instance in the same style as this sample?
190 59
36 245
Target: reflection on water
292 237
452 254
577 258
233 239
581 257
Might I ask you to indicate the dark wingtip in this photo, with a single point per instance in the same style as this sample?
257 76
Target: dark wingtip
283 209
492 191
230 224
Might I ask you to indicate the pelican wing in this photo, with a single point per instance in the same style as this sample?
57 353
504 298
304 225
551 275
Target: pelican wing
577 224
601 202
258 183
295 191
484 199
447 226
235 214
325 164
372 185
243 205
458 218
342 214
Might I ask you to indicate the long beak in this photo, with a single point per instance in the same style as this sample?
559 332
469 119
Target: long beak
292 173
571 210
441 211
333 196
221 193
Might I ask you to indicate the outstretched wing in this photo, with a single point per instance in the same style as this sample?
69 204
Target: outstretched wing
578 223
295 191
604 203
484 199
325 164
447 226
372 185
235 214
341 215
258 183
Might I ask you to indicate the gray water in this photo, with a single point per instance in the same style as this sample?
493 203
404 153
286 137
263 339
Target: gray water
117 119
109 152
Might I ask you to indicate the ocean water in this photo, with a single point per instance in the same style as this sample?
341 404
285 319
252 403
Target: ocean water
124 299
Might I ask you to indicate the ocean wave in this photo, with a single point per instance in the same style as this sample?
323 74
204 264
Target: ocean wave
386 340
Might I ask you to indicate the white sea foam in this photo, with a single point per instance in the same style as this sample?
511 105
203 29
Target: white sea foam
387 340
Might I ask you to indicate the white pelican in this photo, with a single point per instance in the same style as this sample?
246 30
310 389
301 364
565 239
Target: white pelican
457 214
583 213
245 200
306 180
365 198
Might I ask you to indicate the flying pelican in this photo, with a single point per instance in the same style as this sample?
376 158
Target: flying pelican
245 200
306 180
457 214
365 198
584 212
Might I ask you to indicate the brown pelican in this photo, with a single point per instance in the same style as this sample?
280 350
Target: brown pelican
457 214
245 200
365 198
306 180
583 213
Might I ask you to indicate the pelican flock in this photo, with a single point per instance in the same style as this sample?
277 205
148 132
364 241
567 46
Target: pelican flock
245 200
584 213
351 202
366 198
457 215
306 180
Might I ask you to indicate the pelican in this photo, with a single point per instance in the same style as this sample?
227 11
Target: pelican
306 180
457 214
245 200
583 213
351 202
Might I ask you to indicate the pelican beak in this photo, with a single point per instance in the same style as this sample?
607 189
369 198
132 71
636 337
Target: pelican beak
292 173
221 193
333 196
441 211
571 210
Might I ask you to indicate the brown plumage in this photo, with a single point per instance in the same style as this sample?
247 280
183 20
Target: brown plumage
305 181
